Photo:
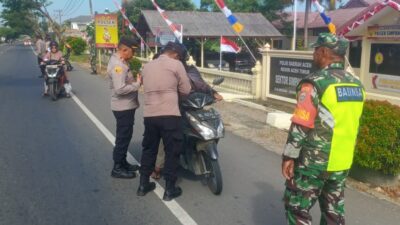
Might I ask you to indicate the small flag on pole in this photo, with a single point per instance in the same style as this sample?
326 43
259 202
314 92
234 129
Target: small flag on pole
229 46
326 18
238 27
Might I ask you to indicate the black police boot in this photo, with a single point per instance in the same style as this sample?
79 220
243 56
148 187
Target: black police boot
171 191
120 172
130 167
145 186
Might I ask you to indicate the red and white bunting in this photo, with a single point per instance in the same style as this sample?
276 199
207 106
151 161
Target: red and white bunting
172 26
376 9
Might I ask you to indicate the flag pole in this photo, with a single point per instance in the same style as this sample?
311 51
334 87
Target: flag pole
248 49
294 25
220 53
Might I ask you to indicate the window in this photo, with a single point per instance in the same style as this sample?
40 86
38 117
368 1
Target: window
355 54
385 59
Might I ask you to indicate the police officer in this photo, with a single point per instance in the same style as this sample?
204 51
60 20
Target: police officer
164 81
124 102
41 52
320 145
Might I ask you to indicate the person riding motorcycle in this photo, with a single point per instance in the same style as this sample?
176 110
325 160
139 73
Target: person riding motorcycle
56 54
198 83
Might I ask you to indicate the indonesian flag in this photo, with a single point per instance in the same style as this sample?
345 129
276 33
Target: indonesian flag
229 46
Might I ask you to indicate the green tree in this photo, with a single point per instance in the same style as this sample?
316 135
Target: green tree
133 7
269 8
23 16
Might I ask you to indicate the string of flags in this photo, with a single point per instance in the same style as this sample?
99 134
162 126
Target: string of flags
369 14
237 27
172 26
130 25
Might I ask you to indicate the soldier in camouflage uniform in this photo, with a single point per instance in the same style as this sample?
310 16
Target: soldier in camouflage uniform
93 56
320 145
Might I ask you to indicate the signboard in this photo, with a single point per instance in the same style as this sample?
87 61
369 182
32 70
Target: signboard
106 30
286 73
390 32
386 82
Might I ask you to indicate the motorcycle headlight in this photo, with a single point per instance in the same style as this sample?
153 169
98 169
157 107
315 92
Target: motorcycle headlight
206 132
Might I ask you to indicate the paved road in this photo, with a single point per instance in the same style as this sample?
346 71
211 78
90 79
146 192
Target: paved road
55 165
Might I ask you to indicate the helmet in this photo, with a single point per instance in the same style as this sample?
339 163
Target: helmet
53 44
178 48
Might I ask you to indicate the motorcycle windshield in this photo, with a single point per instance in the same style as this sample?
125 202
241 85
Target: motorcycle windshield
197 100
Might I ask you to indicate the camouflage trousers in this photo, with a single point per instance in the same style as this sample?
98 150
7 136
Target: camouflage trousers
309 185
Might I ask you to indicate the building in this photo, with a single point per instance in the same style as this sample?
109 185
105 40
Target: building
80 23
203 26
315 23
375 48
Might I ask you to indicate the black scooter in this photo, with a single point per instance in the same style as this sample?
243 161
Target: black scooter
202 130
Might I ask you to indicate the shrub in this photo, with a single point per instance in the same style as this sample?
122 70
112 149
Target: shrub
378 143
135 65
78 45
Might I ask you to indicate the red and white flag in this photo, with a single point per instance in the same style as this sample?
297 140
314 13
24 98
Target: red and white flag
229 46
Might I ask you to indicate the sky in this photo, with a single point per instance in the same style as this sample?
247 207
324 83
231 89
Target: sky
74 8
81 7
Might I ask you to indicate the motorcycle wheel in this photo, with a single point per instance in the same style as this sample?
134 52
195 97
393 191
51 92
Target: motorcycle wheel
214 179
53 92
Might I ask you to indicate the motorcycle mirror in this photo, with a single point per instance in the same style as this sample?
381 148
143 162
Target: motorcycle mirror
218 80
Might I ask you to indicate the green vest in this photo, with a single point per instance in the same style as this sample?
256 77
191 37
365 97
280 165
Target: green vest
341 100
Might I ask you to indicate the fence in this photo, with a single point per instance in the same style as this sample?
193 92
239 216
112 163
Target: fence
234 82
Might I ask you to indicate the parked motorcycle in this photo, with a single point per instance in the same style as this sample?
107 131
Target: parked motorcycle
54 79
202 130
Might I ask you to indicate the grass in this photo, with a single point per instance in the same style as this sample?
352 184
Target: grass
84 58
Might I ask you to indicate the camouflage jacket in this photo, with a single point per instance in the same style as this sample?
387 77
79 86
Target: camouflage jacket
310 143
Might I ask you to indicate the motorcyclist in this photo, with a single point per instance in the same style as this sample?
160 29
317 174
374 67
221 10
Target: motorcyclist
197 82
56 54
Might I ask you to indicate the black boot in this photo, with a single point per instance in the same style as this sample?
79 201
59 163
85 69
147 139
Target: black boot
171 191
120 172
145 186
130 167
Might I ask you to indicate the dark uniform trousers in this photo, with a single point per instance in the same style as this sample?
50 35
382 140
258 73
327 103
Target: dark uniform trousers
169 128
125 121
42 67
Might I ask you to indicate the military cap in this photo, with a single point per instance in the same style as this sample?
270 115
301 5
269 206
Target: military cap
129 42
339 45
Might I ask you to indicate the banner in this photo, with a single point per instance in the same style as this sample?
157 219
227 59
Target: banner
385 82
391 32
106 26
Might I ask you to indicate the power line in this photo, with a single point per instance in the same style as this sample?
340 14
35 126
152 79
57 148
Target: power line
67 5
71 7
76 8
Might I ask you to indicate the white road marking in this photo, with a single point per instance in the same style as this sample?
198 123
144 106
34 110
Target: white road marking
173 206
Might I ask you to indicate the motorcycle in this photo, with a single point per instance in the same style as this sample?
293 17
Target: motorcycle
54 79
202 130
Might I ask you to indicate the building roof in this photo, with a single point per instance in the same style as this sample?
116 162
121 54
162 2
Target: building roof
81 19
359 3
209 24
339 18
375 10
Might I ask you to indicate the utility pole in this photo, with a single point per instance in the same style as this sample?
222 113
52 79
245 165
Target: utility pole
59 13
91 8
